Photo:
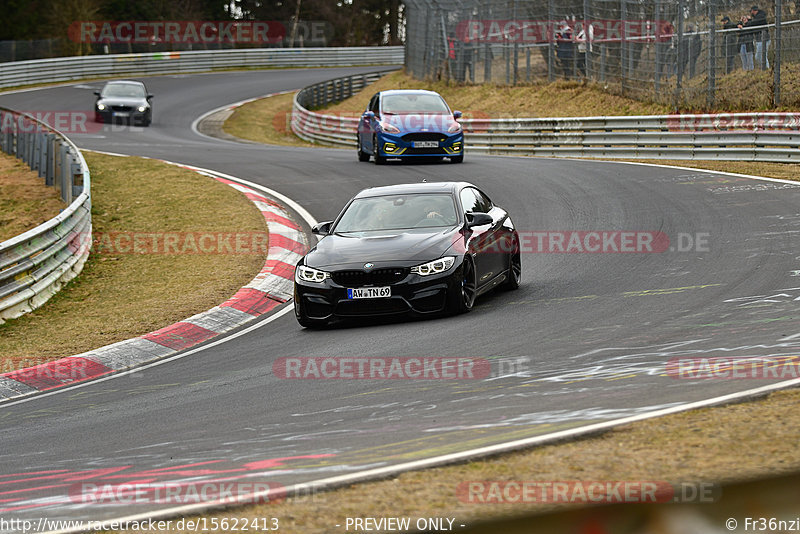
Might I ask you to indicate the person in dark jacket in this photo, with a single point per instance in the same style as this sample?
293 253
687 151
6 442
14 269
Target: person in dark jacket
758 19
745 43
565 51
731 43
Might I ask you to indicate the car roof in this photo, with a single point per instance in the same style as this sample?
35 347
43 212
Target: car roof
124 82
421 187
408 92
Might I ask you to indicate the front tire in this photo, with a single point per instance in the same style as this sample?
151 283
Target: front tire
514 273
457 159
463 299
379 160
362 156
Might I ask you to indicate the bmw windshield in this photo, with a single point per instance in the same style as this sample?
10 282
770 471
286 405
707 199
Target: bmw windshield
398 212
123 90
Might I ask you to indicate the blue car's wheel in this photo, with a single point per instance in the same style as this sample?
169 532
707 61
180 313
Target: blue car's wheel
362 156
379 160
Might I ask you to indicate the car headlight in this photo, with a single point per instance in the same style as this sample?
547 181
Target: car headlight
389 128
454 128
307 274
434 267
142 109
101 107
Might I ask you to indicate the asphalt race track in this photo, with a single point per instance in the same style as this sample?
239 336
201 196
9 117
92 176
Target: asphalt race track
585 339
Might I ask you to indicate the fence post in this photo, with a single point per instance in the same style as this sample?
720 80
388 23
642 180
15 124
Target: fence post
623 48
550 42
487 63
776 65
680 57
712 52
659 59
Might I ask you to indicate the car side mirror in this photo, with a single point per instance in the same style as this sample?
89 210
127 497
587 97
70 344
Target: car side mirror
322 228
149 96
97 93
369 114
456 114
478 219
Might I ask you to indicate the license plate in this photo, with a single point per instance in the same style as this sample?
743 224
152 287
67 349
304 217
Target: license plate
121 114
369 292
426 144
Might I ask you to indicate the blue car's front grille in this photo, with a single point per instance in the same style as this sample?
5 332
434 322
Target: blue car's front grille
423 136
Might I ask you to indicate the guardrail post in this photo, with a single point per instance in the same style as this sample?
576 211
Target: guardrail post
42 154
3 134
63 177
76 179
19 144
31 149
50 155
37 151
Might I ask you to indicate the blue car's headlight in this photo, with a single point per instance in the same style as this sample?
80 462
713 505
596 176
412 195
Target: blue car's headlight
307 274
454 128
434 267
389 128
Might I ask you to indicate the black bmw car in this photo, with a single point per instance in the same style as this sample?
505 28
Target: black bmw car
418 249
124 101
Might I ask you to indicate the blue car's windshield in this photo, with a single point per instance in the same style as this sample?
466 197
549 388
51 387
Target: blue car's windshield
413 103
396 212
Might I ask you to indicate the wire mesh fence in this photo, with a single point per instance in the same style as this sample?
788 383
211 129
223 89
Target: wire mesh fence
690 54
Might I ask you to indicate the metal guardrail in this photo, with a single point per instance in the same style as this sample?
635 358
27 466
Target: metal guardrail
770 137
73 68
34 265
322 128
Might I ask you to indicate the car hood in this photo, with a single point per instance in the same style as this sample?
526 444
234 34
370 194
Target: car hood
123 101
389 248
419 122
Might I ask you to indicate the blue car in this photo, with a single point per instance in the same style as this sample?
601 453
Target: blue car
406 123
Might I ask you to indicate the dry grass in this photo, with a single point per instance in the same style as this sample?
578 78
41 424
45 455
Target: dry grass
25 202
122 295
265 121
691 447
557 99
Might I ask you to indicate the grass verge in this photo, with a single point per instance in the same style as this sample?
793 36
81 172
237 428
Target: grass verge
25 202
691 447
557 99
267 120
121 295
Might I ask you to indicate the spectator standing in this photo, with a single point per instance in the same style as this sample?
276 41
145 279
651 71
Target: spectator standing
565 51
758 19
582 45
745 43
664 33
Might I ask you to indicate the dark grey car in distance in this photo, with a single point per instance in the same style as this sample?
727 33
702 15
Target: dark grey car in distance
124 101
